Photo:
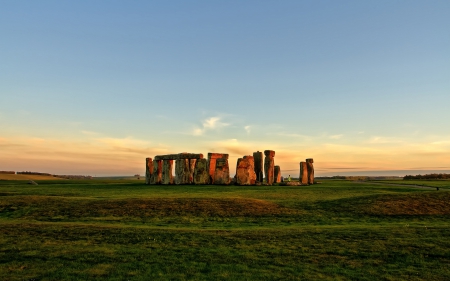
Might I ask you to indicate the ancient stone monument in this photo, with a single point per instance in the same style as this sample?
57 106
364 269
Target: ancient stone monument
148 170
193 168
222 171
163 166
259 165
277 174
167 177
310 166
245 171
303 178
269 165
212 159
201 173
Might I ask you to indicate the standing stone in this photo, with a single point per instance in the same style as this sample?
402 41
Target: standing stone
201 174
157 172
259 165
167 177
222 172
192 163
303 178
309 163
245 171
212 158
182 171
269 165
148 170
277 174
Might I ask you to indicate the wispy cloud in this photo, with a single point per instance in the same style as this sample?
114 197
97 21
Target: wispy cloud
336 137
212 123
247 129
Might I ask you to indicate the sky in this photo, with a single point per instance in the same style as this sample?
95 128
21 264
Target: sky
95 87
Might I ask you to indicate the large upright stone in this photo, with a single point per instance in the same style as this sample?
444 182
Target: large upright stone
277 174
157 172
259 165
192 169
212 158
201 174
148 170
222 172
167 176
182 171
245 171
269 166
303 178
309 163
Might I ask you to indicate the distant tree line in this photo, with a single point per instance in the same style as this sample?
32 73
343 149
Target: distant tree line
428 177
33 173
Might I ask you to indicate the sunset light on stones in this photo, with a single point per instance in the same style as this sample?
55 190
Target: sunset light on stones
96 87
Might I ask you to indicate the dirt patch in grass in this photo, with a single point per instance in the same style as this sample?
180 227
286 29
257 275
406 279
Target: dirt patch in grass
437 203
42 206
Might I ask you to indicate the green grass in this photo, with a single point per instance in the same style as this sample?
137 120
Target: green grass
125 230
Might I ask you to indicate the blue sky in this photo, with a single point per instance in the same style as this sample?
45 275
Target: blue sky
94 87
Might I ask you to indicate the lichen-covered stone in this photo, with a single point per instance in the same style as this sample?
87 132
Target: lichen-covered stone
167 176
157 172
277 174
148 170
245 171
182 171
309 163
259 165
303 179
212 157
222 172
201 174
269 166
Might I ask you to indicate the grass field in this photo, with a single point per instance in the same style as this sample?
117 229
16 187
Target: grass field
125 230
22 177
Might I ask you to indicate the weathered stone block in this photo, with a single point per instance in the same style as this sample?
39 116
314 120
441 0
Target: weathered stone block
182 171
201 174
212 157
157 172
303 178
222 172
148 170
167 176
245 171
269 166
277 174
309 163
259 165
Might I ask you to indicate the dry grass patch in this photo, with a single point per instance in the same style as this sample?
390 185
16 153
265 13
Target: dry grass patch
437 203
43 206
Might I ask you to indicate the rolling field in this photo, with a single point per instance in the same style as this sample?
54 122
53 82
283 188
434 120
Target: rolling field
125 230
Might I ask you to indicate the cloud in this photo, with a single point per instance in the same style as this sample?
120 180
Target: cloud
247 129
336 137
212 123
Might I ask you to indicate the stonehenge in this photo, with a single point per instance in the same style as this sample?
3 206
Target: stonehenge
269 166
212 159
303 178
259 165
221 172
277 174
245 171
310 166
192 168
148 170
